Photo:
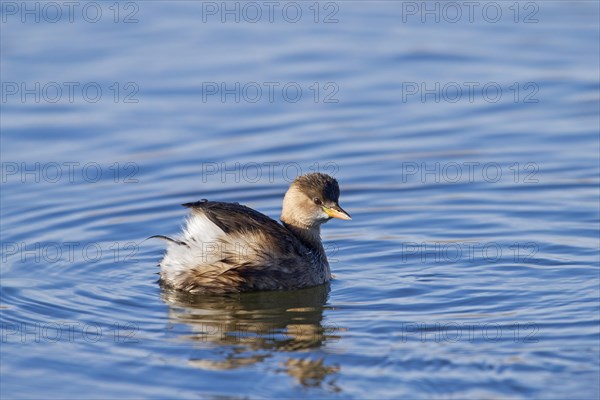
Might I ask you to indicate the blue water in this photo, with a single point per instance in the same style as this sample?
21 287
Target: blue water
470 268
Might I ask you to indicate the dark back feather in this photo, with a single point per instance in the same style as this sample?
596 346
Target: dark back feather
237 219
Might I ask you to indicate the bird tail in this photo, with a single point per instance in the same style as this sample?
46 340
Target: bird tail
168 239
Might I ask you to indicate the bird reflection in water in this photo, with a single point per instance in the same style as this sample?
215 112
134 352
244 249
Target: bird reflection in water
247 328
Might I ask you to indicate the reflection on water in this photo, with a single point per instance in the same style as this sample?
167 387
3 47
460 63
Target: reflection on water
247 328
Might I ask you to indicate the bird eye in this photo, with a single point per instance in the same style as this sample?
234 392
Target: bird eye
317 201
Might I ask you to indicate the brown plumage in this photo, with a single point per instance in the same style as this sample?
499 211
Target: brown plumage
228 247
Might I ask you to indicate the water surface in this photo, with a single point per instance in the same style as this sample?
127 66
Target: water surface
469 270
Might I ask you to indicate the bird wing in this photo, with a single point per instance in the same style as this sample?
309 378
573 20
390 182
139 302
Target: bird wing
235 219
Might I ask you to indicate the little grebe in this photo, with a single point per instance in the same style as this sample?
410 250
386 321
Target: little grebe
228 247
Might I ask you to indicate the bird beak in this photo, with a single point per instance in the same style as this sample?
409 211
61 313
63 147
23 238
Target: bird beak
336 212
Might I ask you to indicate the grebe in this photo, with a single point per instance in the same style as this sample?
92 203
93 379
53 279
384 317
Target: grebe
228 247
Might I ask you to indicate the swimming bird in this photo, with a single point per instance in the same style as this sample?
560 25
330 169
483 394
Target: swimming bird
229 248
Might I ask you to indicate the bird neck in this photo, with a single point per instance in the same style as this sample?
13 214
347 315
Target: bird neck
302 225
309 235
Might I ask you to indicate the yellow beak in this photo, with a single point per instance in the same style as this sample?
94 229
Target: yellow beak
337 212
